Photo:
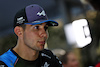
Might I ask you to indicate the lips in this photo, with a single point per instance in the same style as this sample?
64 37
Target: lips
42 42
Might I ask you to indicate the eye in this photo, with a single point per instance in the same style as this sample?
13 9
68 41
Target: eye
46 27
36 27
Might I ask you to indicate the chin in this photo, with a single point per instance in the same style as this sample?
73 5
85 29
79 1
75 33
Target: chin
40 49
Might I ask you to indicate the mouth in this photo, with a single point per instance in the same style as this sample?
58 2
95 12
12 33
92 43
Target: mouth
42 42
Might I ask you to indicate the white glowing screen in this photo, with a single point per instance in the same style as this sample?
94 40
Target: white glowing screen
82 32
78 32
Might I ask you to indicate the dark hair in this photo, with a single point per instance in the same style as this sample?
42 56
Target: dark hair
23 26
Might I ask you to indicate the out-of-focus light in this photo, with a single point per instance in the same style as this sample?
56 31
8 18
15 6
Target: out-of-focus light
69 33
79 32
82 32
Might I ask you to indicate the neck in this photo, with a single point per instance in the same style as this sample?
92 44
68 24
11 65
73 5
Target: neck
25 52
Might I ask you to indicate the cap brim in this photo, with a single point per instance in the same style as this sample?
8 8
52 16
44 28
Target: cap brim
49 22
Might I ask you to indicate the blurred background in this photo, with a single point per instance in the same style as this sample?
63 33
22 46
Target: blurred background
78 28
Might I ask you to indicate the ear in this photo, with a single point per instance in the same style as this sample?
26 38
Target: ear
18 31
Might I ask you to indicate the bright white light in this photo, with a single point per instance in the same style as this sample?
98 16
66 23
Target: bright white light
78 33
82 33
69 33
86 31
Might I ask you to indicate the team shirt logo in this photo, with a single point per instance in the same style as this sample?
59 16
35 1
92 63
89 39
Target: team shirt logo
45 55
46 65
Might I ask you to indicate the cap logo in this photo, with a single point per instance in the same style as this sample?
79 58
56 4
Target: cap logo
20 20
41 13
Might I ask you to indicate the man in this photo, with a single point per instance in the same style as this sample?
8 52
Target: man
69 59
31 27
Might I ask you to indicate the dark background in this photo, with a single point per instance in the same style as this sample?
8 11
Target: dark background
64 12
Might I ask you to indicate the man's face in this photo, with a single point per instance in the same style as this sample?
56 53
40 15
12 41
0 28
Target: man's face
72 60
35 36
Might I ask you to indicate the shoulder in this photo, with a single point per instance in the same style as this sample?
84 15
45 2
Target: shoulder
9 54
52 58
8 58
47 51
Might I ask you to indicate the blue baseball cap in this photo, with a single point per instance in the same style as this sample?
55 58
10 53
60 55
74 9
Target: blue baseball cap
32 14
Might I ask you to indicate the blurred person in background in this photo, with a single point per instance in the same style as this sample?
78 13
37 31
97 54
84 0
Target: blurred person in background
31 27
68 58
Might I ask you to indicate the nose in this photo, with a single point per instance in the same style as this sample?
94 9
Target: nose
43 33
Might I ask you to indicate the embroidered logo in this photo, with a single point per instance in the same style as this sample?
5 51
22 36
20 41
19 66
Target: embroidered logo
45 55
46 65
20 20
41 13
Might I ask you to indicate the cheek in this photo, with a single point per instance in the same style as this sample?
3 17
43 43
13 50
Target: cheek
29 36
47 35
33 35
30 39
